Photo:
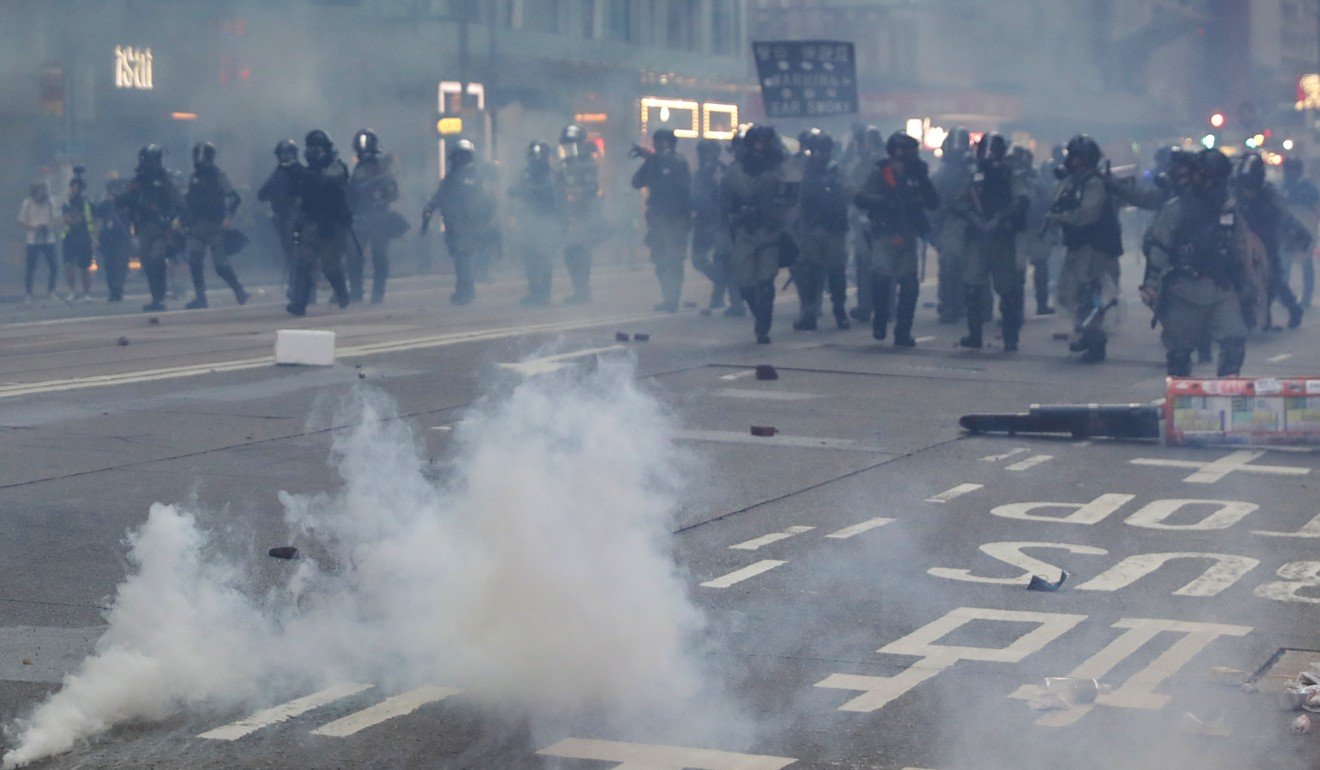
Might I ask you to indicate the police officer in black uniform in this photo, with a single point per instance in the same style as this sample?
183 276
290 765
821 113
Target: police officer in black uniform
822 235
710 252
1268 217
665 177
209 204
153 204
468 211
371 189
322 222
279 192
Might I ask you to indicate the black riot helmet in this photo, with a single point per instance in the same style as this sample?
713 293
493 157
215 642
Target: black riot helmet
708 151
958 143
805 138
1179 166
287 152
151 157
902 146
1213 168
1021 159
820 146
1250 175
760 148
873 139
203 154
1081 154
318 149
664 138
571 141
538 154
461 154
366 144
992 148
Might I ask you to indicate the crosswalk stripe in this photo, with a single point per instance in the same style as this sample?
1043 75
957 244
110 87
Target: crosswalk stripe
397 706
283 712
739 575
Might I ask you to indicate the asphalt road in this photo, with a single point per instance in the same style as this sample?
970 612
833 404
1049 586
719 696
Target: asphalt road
862 573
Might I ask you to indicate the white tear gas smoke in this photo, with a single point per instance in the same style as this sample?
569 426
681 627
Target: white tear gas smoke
538 579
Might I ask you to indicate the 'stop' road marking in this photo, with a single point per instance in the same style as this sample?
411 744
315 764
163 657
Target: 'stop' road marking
954 492
739 575
397 706
859 528
283 713
639 755
1030 462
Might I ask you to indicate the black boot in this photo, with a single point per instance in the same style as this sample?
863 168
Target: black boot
301 283
1232 354
340 288
198 271
975 318
907 308
1178 363
227 274
1012 307
882 292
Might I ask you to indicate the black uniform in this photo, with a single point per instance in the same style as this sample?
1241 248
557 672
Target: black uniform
115 240
322 222
822 262
539 229
468 211
664 175
209 202
710 244
371 190
1268 217
280 192
153 203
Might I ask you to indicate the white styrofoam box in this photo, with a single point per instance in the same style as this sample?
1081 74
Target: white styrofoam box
305 347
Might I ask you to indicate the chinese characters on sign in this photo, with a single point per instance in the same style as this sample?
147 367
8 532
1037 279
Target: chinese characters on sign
806 78
133 68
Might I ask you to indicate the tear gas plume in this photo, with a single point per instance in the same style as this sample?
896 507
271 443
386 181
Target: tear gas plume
538 578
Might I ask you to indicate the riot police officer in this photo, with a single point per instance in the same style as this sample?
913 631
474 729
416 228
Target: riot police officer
995 207
468 211
1085 211
1268 217
209 204
153 204
822 260
757 199
279 192
322 223
1303 200
949 223
896 197
1197 247
710 252
538 221
868 147
665 177
113 239
579 175
371 189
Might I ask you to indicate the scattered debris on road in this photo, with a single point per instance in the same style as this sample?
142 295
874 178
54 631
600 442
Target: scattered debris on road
763 430
622 336
766 372
122 342
1039 583
283 552
641 338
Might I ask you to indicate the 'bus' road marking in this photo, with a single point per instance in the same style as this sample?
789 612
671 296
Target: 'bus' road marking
773 537
547 364
397 706
640 756
804 442
739 575
1004 456
954 492
737 375
1278 358
1209 473
1030 462
768 395
859 528
283 712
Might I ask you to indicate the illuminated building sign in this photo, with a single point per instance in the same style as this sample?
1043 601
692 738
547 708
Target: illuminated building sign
1308 93
133 68
689 119
449 126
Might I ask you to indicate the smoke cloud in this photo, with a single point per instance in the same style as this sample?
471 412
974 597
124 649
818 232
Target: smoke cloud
537 578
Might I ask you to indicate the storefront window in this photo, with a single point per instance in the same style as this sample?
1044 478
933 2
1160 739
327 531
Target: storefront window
681 24
619 21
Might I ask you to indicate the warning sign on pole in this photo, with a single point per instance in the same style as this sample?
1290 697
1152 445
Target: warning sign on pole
806 78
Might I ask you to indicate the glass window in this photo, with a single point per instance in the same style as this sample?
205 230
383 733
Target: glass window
619 20
724 26
681 24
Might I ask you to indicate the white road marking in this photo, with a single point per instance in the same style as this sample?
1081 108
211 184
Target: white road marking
773 537
397 706
924 339
859 528
283 712
352 351
1226 570
640 756
954 492
443 428
547 364
1139 690
1089 513
766 395
1004 456
1299 575
737 375
1226 514
1278 358
1209 473
1011 553
1083 443
1310 530
1030 462
878 691
740 437
739 575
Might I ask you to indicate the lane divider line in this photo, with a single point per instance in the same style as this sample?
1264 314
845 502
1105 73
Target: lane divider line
859 528
397 706
282 713
739 575
954 492
1030 462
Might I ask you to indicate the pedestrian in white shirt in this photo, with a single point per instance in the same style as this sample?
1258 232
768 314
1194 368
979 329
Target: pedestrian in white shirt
39 216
